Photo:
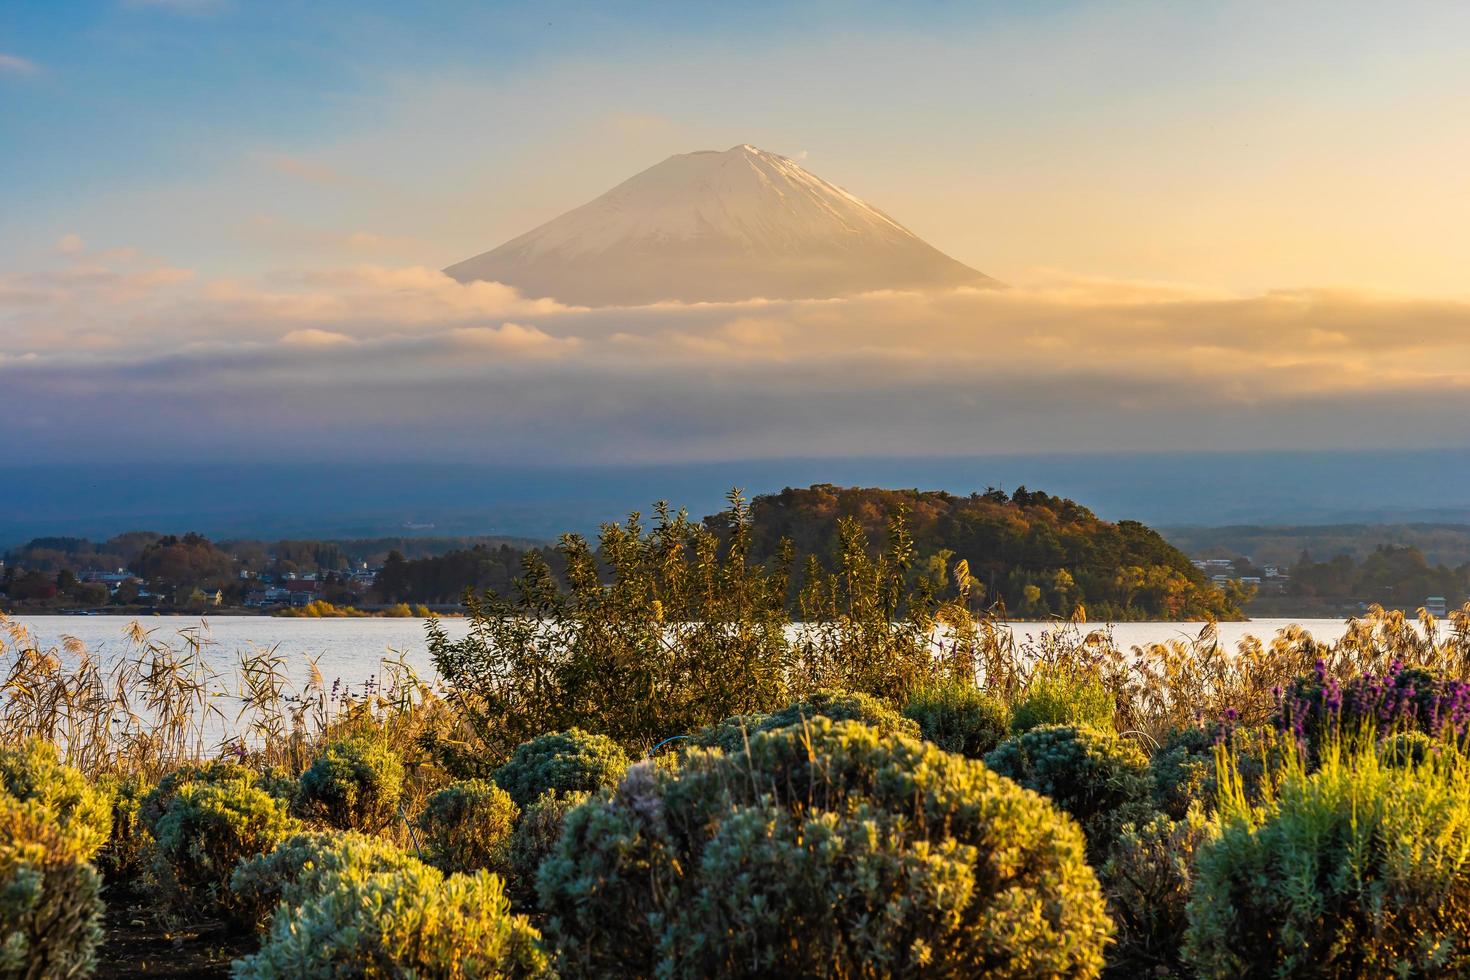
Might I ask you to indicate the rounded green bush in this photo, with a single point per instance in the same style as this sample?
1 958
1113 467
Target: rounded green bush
52 822
1147 878
408 922
207 829
50 895
1184 766
1055 696
1408 748
564 762
467 826
302 864
353 784
732 733
125 856
1183 769
827 849
536 835
959 717
1359 869
278 782
1095 776
34 772
216 772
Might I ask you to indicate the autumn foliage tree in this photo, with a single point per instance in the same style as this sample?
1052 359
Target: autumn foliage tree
1027 552
191 560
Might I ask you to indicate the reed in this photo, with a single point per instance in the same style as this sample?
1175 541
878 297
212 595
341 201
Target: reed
159 703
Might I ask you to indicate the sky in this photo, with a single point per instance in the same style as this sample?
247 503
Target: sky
1224 226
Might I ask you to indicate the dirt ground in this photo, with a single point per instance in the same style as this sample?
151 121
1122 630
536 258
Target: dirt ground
136 945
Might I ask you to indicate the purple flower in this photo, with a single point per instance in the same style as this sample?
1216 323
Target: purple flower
1401 698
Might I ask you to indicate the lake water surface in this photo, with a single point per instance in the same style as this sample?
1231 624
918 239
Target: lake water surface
350 652
352 649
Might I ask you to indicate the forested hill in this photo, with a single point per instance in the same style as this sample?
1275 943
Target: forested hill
1035 554
1040 555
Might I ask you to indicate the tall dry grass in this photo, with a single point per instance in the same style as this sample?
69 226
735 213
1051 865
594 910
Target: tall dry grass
1161 687
159 703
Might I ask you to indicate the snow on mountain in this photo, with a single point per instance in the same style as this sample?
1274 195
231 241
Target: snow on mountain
712 226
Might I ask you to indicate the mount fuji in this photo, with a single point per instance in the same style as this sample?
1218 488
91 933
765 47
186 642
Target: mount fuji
717 227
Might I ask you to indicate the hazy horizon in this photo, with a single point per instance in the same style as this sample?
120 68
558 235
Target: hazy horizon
334 498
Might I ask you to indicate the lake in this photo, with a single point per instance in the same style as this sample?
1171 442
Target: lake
351 649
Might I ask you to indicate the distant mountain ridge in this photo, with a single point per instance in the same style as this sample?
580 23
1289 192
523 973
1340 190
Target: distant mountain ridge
718 226
1441 543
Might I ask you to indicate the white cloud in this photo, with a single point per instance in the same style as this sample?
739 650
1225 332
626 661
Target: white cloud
514 338
1056 365
12 64
311 337
308 170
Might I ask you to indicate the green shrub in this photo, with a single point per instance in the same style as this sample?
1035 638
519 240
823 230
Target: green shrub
50 902
217 772
1057 696
1183 770
732 733
408 922
655 629
1407 748
867 620
125 856
1359 869
301 865
52 822
840 705
1097 777
536 835
33 772
278 782
1183 767
564 762
352 784
467 826
1147 877
207 829
959 717
827 849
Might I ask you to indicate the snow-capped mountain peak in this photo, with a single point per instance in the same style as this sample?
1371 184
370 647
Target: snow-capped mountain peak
713 226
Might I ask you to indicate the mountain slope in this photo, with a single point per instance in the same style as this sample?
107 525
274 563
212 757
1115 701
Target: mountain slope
712 226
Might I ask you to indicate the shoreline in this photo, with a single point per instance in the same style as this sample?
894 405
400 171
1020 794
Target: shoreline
144 612
457 612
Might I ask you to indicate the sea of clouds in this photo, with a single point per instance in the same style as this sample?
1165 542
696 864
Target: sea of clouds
119 352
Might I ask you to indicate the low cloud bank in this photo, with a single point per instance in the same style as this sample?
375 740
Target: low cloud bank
113 352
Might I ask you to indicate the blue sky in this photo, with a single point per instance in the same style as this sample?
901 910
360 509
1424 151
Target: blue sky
139 90
1245 144
119 108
